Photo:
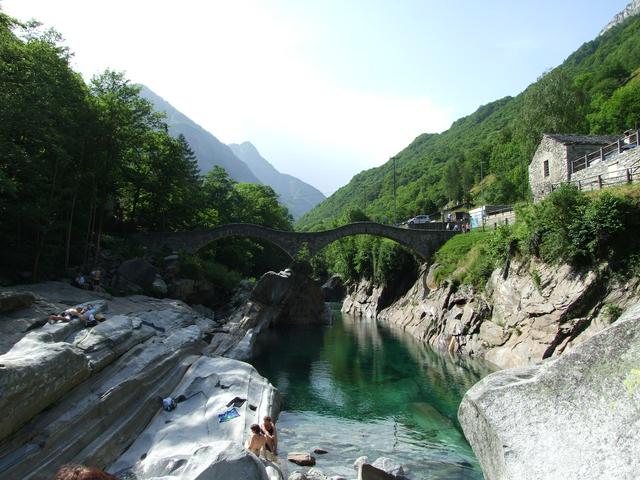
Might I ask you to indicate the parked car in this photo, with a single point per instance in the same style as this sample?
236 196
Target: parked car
419 219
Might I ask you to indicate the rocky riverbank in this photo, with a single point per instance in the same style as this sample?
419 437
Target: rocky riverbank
571 407
528 312
72 393
575 417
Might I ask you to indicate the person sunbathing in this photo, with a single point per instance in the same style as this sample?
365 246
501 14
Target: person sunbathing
68 315
88 314
256 441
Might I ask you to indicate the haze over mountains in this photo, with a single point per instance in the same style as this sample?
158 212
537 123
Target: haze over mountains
299 197
243 162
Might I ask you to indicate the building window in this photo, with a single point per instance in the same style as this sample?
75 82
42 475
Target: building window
545 166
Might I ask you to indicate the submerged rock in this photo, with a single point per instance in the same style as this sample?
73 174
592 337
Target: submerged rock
302 459
573 417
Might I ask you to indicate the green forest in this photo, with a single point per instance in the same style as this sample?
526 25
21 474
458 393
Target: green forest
483 158
82 165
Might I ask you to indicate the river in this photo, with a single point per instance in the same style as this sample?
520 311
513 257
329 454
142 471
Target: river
357 388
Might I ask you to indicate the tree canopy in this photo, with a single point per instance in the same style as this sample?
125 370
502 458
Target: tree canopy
79 162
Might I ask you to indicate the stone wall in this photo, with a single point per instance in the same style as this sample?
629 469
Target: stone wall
611 170
498 219
555 153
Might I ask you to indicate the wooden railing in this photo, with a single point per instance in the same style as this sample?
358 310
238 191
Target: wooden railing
624 143
623 175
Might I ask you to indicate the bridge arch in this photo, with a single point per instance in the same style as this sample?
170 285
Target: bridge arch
422 242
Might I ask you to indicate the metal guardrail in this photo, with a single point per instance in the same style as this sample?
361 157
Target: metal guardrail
625 143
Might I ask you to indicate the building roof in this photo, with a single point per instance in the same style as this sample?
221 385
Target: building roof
583 139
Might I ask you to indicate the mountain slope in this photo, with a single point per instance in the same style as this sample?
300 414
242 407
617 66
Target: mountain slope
483 158
208 149
299 197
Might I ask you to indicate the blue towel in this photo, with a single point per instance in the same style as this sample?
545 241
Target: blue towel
228 415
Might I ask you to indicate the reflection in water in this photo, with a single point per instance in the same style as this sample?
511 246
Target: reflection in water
360 389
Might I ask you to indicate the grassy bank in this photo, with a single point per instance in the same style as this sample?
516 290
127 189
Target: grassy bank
569 226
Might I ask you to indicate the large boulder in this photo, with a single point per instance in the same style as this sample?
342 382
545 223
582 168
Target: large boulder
35 374
10 301
298 298
334 289
79 395
135 275
573 417
278 300
191 442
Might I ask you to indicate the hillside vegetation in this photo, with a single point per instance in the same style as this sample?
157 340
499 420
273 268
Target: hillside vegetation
596 90
568 227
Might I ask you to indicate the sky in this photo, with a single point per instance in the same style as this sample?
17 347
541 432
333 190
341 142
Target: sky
326 88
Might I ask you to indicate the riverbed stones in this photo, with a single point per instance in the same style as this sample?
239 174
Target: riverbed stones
390 466
573 417
298 476
369 472
301 458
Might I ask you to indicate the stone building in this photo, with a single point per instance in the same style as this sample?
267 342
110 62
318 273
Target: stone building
551 163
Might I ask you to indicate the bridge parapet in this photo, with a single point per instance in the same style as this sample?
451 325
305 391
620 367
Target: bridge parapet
422 242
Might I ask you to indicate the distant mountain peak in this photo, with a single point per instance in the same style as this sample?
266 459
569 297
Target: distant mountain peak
208 149
299 197
633 8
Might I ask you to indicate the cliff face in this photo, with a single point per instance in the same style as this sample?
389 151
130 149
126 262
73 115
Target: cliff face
633 8
527 313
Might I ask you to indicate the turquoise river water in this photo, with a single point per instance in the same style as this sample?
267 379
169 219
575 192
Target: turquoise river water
357 388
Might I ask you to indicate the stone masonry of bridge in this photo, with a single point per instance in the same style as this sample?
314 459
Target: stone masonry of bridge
422 242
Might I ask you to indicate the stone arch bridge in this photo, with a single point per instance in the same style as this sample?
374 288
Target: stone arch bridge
422 242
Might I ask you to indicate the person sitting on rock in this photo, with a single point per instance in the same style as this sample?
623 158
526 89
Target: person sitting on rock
269 431
80 472
81 281
256 441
